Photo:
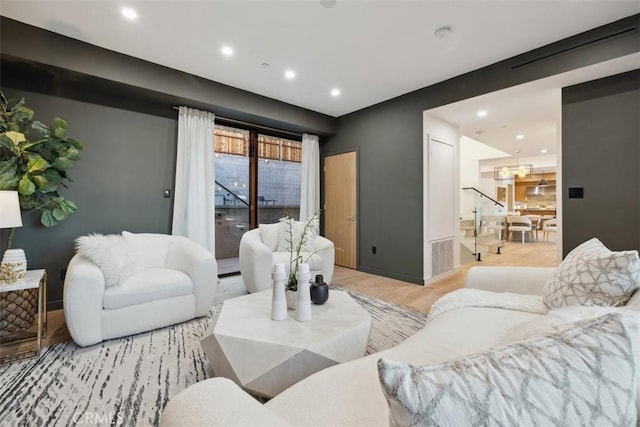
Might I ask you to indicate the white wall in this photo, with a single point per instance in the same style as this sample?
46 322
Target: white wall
471 154
441 200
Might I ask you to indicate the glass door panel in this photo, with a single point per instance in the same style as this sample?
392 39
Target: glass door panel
279 175
231 168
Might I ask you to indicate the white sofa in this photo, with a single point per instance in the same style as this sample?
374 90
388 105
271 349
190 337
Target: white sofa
178 284
258 255
349 394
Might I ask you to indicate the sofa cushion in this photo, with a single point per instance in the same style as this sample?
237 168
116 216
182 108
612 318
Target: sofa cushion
584 374
270 234
149 285
315 262
591 274
112 254
151 249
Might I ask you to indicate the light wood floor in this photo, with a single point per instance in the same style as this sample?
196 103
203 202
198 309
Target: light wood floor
410 295
420 298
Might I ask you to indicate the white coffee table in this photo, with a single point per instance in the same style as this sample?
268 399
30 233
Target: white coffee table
265 356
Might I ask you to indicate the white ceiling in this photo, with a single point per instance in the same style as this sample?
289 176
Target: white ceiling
371 50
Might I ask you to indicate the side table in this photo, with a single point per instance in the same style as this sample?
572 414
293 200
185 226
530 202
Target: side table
28 342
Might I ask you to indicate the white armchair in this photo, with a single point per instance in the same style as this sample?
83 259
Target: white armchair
177 283
258 255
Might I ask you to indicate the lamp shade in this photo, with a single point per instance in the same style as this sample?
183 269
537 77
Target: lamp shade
9 209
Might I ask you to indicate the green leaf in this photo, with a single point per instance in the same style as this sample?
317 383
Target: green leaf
62 164
22 115
53 176
6 142
76 144
15 137
47 219
40 127
59 128
70 205
59 214
36 164
73 154
28 144
9 175
26 187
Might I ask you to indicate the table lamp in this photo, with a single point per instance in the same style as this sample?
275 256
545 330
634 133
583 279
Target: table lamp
14 263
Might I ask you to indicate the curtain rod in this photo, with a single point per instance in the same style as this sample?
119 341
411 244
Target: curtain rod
254 126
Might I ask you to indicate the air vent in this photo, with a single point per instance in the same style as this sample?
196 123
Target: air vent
562 48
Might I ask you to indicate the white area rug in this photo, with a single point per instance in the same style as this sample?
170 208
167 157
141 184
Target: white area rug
128 381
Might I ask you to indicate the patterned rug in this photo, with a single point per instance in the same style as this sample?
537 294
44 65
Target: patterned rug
128 381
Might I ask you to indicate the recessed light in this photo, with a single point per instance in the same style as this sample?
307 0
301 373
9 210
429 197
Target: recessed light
265 65
543 150
482 113
289 74
129 13
227 50
328 4
335 92
520 136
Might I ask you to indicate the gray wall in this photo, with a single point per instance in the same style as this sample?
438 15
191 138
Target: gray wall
388 137
601 153
129 158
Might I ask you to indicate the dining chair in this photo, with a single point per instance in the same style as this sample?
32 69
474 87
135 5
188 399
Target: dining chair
518 223
550 225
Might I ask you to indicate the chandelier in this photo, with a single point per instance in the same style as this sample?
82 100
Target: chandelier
505 172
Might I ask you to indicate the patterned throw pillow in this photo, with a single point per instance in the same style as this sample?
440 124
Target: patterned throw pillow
584 375
591 274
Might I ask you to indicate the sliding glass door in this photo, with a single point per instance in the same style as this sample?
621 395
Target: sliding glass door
257 181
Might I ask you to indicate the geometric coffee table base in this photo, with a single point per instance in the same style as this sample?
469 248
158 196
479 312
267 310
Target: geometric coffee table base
265 357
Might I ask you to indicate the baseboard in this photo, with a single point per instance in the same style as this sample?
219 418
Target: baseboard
392 275
54 305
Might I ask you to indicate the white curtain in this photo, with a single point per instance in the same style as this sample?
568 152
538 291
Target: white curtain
310 182
193 207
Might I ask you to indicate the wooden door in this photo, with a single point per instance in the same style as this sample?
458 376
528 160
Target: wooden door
340 216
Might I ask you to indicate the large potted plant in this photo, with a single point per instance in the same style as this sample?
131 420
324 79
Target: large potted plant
35 160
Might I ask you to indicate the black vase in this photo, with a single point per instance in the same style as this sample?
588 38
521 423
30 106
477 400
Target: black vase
319 291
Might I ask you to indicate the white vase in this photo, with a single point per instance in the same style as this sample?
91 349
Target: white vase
17 260
303 300
278 299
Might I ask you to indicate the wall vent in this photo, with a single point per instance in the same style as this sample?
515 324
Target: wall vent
441 257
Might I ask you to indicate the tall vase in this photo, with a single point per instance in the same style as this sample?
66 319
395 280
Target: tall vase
278 299
303 300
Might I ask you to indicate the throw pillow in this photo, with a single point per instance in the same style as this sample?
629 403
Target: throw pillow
112 254
591 274
292 231
582 376
151 249
270 234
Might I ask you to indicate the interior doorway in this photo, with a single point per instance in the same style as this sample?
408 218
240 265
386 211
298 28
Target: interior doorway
340 207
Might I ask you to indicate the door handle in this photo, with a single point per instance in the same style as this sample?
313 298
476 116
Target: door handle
351 218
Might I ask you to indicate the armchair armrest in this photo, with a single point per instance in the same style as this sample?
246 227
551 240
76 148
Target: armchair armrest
256 262
200 264
217 402
327 251
82 301
517 280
